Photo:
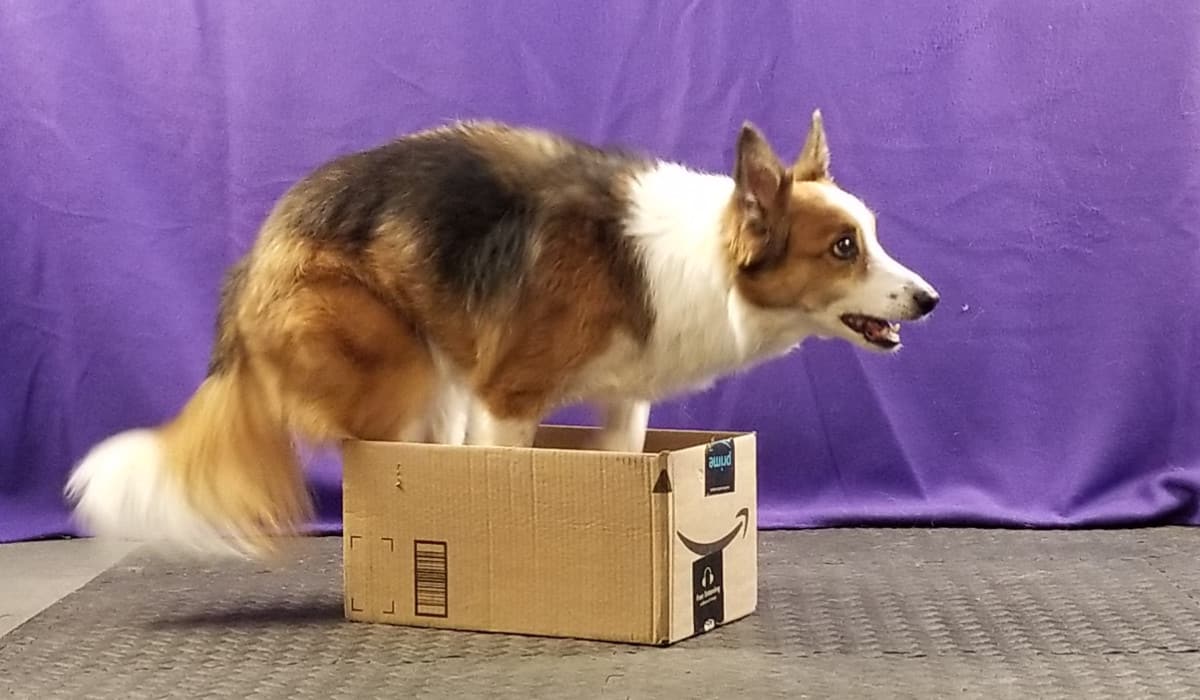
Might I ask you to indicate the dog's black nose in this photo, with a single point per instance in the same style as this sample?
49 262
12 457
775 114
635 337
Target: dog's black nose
926 301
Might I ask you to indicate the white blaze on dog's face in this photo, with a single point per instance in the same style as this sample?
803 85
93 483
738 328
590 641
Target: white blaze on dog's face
802 243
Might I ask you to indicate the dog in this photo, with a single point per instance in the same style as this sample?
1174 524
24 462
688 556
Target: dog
458 284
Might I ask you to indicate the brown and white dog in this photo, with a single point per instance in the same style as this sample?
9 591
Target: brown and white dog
458 284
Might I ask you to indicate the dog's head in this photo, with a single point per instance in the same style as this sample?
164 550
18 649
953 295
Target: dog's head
799 242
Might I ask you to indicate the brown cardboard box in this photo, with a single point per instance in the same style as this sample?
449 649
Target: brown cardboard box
649 547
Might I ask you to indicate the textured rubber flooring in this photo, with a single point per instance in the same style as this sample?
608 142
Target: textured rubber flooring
843 614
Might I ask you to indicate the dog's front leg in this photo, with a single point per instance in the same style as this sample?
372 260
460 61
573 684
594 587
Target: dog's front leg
623 426
489 430
449 415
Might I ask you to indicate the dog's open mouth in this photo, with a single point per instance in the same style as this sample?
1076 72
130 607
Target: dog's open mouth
876 331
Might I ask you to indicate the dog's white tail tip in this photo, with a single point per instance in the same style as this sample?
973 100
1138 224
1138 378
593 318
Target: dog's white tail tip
124 489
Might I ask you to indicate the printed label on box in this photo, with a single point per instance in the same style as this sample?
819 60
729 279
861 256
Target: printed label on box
719 467
708 592
430 579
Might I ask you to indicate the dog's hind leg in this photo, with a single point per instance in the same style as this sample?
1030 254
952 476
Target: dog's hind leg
347 366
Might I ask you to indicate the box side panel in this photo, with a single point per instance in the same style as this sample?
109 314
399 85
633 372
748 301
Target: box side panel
508 540
743 586
715 539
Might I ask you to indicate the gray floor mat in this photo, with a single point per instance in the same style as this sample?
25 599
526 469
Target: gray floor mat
843 614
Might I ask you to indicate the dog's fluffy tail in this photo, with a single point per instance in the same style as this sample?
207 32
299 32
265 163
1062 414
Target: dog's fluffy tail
222 477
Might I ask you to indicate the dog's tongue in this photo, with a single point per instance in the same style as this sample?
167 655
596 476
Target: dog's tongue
877 329
874 328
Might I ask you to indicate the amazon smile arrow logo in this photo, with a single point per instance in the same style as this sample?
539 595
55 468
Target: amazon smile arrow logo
704 549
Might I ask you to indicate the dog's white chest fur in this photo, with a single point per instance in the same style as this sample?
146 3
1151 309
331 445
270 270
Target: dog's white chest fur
702 329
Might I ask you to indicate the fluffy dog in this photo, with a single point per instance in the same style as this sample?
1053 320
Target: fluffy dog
458 284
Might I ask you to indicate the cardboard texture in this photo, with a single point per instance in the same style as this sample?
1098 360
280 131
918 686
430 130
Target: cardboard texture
554 540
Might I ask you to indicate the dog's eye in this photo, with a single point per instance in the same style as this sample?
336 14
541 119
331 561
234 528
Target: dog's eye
845 248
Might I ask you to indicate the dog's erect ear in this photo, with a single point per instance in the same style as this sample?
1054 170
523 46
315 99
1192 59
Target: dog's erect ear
762 190
813 162
758 173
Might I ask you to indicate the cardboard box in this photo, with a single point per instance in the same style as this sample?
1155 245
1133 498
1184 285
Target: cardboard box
555 540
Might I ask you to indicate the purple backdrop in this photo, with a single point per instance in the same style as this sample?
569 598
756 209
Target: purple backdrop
1038 161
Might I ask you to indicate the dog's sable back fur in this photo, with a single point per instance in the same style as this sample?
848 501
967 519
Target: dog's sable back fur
460 283
477 199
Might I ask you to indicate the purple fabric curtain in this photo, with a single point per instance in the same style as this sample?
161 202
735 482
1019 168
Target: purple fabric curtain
1038 161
